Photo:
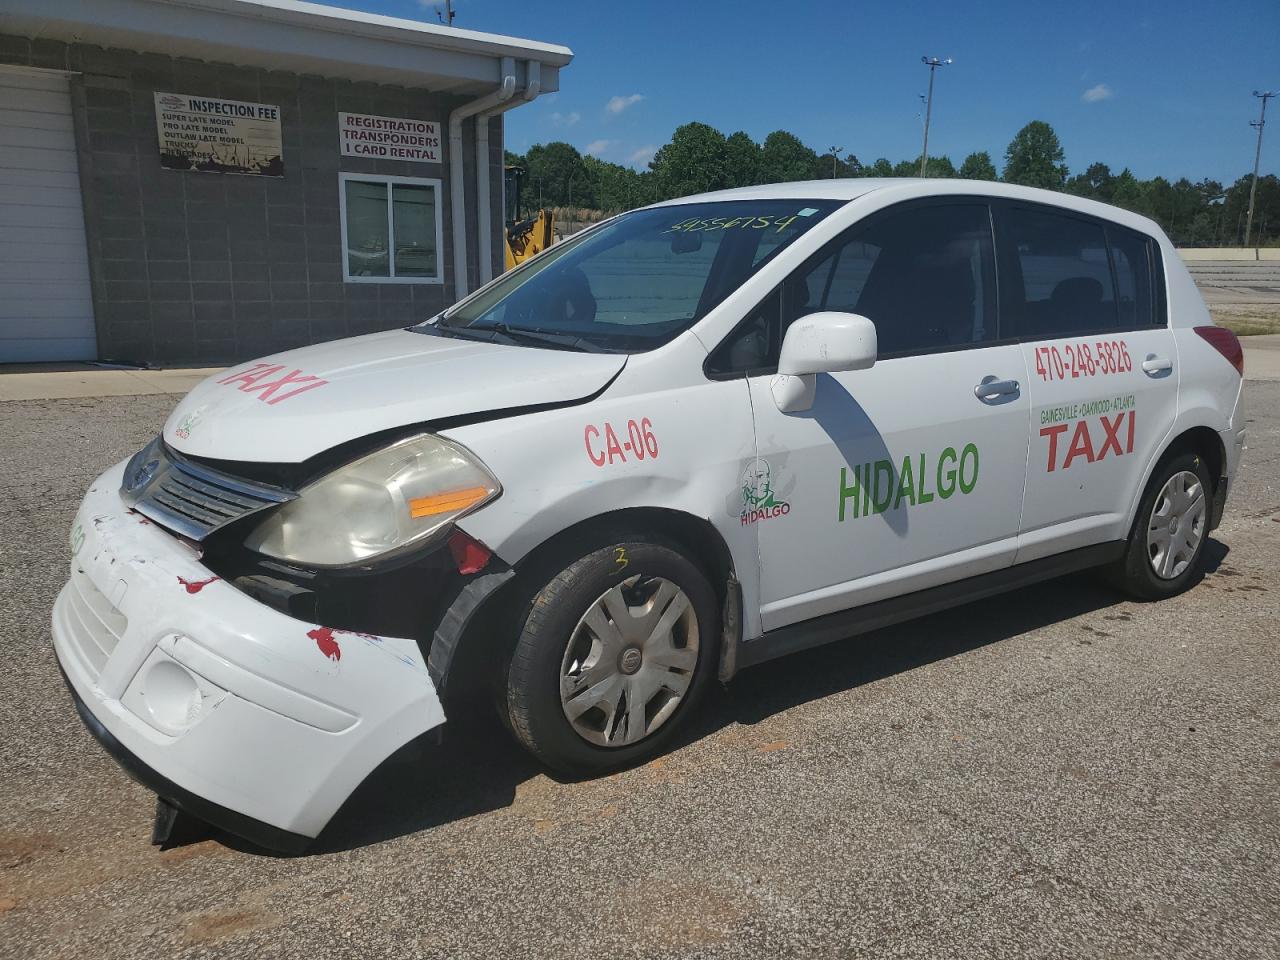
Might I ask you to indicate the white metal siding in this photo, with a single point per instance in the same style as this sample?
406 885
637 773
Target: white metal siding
46 307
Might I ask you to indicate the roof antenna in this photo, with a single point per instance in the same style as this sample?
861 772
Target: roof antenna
446 16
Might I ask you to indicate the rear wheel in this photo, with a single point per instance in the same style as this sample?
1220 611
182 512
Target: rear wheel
615 651
1165 554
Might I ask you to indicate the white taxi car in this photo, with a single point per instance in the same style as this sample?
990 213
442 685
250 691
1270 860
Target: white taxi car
688 440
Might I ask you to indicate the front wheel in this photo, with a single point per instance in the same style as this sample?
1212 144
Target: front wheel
615 651
1165 553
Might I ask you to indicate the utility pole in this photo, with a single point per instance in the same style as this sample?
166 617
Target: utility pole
933 63
447 16
1264 96
835 158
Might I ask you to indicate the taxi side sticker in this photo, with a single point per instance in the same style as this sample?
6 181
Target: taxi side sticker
1097 432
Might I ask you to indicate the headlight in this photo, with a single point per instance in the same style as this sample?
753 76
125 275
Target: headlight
141 470
386 501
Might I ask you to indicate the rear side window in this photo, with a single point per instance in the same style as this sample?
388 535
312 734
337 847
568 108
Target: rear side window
1063 275
1059 282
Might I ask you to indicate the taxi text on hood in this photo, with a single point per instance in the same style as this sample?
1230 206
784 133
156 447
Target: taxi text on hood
288 407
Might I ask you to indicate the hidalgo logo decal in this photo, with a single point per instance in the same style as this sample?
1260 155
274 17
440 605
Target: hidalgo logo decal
758 499
183 430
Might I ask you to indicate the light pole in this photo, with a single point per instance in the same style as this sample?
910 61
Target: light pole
835 158
1264 96
933 63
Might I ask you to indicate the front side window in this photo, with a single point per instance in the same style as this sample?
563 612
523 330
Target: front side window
637 281
391 229
923 275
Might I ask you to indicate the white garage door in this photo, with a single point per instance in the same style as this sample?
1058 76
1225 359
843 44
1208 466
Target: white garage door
46 310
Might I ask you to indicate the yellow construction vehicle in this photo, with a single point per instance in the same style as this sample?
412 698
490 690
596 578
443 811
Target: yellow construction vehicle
528 238
525 238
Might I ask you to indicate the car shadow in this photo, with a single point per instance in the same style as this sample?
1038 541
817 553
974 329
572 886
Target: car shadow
476 768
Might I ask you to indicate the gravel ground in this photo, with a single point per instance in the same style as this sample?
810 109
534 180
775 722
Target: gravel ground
1055 772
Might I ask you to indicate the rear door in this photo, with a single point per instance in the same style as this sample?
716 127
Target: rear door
1085 298
905 475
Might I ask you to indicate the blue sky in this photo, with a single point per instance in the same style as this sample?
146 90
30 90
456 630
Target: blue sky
1163 88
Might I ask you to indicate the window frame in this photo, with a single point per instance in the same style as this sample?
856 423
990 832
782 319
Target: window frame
842 238
1007 265
435 183
996 206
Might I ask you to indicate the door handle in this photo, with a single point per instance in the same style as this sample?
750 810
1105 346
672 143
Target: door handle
992 389
1155 365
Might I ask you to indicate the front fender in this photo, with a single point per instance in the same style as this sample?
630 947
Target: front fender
562 467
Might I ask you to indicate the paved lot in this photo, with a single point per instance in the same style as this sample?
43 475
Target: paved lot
1237 281
1242 294
1055 772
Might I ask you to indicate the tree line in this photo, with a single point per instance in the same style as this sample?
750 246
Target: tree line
700 158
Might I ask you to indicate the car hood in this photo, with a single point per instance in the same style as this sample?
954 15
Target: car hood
289 407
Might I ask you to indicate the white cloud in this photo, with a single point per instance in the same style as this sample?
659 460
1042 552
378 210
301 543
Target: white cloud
1097 93
639 158
597 147
565 119
618 104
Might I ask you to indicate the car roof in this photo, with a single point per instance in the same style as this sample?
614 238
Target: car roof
845 189
907 188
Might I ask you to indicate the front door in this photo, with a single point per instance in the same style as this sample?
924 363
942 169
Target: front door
909 474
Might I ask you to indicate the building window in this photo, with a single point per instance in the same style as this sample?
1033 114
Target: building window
391 229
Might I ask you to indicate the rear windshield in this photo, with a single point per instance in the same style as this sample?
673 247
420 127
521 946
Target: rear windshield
635 282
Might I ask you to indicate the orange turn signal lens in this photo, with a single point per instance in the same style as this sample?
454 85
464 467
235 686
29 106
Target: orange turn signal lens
446 502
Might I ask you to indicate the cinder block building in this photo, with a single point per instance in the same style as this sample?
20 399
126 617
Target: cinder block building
202 181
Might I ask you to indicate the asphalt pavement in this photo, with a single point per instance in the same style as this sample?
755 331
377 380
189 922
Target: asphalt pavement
1055 772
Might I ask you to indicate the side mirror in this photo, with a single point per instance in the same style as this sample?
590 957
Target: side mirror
825 342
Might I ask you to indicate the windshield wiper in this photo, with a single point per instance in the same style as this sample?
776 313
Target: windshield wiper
551 338
467 333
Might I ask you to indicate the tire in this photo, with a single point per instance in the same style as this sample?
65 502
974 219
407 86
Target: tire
1146 572
575 654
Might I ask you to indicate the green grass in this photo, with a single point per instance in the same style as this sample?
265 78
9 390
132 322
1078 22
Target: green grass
1248 322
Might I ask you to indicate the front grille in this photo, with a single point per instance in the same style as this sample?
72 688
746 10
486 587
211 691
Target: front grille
96 624
194 500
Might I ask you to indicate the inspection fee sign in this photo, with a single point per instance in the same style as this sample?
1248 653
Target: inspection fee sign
389 138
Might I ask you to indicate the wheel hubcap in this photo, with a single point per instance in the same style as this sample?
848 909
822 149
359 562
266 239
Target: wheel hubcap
629 661
1176 527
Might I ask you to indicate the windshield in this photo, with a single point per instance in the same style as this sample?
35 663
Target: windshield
635 282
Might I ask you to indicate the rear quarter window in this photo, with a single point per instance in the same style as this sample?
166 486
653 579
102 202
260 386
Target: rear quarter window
1134 258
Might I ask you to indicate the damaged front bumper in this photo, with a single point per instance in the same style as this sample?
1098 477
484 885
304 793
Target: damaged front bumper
261 723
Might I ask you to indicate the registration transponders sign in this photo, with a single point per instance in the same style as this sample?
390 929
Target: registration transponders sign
389 138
